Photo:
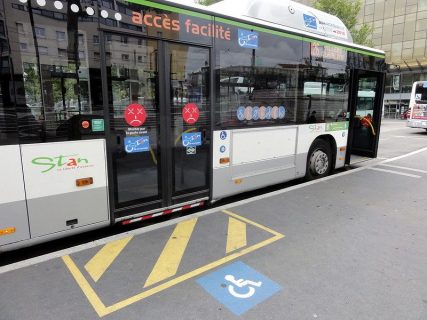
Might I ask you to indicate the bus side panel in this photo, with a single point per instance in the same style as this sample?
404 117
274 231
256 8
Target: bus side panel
257 158
13 211
66 185
308 133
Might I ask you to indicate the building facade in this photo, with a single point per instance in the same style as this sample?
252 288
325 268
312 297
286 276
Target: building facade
400 29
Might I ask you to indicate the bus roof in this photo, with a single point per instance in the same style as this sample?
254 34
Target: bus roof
285 15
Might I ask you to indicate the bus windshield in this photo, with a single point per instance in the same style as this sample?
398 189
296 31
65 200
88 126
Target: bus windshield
421 92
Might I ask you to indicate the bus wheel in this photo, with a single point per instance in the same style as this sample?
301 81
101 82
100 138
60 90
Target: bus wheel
319 161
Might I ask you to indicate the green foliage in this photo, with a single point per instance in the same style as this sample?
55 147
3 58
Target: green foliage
347 11
206 2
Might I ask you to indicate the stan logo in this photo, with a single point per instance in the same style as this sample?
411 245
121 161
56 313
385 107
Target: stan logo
61 163
315 128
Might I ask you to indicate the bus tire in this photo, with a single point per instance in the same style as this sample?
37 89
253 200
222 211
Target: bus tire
319 160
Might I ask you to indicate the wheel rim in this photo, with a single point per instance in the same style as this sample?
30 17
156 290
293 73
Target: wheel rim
319 162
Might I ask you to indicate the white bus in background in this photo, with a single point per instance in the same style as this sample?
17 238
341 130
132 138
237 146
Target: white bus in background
418 106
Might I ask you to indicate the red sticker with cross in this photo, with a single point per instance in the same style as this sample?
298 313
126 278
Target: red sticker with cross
190 113
135 115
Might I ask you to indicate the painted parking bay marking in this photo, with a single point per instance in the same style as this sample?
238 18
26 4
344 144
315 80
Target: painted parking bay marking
162 278
238 287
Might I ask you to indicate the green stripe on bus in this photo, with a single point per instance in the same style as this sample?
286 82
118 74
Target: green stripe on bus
252 27
336 126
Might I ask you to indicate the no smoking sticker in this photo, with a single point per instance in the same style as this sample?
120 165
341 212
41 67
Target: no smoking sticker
190 113
135 115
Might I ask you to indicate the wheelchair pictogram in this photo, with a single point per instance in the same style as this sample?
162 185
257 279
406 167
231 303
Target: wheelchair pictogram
248 285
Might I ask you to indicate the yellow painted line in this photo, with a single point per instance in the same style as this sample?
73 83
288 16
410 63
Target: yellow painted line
192 274
103 311
236 235
90 294
105 257
253 223
168 262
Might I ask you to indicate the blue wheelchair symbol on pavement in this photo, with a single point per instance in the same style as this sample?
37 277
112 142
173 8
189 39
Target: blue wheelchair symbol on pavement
223 135
241 113
238 287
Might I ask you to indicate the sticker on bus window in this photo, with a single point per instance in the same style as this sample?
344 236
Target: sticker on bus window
268 113
248 113
190 113
137 144
261 112
248 39
282 112
241 113
135 115
192 139
255 113
418 96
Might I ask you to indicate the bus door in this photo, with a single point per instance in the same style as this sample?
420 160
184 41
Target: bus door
365 109
159 109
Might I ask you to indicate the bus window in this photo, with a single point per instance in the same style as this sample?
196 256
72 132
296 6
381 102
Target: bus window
421 92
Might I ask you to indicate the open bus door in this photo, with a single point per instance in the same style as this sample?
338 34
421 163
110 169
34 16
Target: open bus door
365 110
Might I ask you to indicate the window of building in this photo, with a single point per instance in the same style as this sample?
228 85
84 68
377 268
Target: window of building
60 35
23 46
20 28
40 32
62 52
95 39
43 50
125 57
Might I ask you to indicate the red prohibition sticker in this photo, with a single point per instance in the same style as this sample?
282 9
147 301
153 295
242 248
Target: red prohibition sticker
190 113
135 115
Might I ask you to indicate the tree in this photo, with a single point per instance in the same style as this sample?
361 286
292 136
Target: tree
206 2
347 11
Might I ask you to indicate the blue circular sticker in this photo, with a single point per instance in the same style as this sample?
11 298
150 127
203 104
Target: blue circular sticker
268 112
255 113
241 113
223 135
222 149
282 112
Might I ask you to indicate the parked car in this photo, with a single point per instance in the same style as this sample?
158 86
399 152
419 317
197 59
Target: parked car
405 115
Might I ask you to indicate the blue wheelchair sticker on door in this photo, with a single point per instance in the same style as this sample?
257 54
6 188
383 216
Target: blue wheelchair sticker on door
137 144
192 139
238 287
248 39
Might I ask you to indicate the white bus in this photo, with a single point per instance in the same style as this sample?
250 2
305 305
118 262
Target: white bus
418 106
128 110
